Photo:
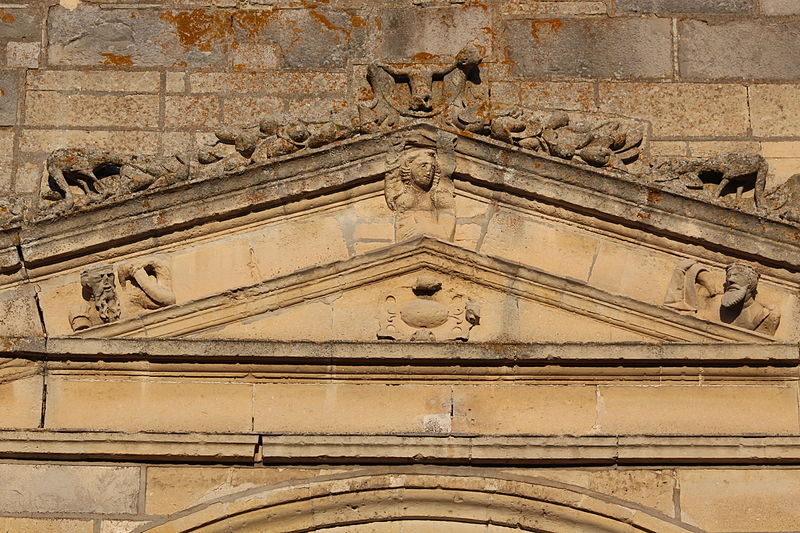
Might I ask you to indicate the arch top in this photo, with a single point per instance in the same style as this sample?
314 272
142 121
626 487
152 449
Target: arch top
433 495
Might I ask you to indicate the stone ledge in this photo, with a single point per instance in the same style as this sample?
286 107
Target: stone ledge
249 351
399 449
82 445
531 450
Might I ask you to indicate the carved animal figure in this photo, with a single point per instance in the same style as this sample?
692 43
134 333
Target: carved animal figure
78 166
740 168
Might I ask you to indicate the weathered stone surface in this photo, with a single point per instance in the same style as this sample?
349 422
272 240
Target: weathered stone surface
171 489
780 7
148 405
45 525
775 109
47 140
9 97
23 54
680 109
708 410
91 110
305 38
20 24
296 408
597 48
503 410
713 50
69 489
280 82
22 401
684 6
741 500
20 316
93 80
91 35
442 31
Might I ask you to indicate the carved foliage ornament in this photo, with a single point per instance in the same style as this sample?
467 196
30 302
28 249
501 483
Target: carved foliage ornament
428 313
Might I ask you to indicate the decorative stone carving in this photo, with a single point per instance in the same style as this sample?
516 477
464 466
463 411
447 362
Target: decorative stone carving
739 306
422 88
689 278
596 141
152 281
102 304
420 191
741 169
784 200
431 314
692 290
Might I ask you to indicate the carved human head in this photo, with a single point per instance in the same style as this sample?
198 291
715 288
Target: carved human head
419 168
98 283
741 282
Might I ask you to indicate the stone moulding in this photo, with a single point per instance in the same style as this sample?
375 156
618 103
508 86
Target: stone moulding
344 164
529 283
448 495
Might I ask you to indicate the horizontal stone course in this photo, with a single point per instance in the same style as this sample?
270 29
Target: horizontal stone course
97 80
715 50
684 6
135 111
775 109
590 47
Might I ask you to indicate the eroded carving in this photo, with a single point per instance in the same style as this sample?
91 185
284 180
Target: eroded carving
689 278
692 289
742 170
151 280
428 314
596 141
738 305
784 200
100 293
420 191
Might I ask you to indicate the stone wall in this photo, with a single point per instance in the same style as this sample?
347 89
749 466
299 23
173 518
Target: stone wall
160 77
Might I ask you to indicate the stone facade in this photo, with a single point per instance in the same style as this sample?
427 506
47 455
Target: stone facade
427 265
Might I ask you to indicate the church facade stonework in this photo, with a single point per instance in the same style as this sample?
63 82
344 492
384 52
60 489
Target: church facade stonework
429 265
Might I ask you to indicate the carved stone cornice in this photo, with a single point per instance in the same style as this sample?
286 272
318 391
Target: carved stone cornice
346 164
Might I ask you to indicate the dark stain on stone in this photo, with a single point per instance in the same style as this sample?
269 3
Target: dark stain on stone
199 28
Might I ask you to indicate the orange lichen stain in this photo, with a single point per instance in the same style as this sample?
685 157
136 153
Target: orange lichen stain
253 22
133 14
328 24
180 64
117 60
357 22
653 196
643 215
8 18
378 23
423 56
551 25
199 28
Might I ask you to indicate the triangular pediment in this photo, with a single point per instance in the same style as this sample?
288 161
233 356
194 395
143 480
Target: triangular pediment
599 247
368 298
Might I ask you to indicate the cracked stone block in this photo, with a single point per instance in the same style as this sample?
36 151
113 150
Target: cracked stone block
715 50
600 48
685 6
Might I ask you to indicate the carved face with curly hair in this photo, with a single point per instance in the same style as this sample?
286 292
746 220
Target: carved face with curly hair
419 168
741 281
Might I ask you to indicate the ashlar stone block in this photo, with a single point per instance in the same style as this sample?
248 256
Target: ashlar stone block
40 488
590 47
715 50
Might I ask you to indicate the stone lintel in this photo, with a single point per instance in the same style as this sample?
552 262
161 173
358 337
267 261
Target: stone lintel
399 449
381 352
83 445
